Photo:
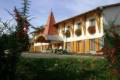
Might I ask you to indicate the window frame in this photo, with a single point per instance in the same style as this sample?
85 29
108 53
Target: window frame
91 23
78 25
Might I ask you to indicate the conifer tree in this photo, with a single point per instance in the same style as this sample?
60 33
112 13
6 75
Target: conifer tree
14 43
22 27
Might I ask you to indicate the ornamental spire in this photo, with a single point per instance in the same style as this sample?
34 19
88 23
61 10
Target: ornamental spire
50 28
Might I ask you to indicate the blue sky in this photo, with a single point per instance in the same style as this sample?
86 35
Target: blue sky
62 9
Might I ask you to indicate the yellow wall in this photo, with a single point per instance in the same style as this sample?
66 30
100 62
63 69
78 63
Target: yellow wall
87 48
82 46
98 44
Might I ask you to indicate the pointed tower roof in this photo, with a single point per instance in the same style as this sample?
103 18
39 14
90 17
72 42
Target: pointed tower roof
50 28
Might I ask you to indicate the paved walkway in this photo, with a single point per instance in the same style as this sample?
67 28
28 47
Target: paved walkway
44 55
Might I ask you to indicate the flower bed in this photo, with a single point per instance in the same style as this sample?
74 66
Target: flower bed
78 32
91 29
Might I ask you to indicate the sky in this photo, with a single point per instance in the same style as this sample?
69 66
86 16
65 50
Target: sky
62 9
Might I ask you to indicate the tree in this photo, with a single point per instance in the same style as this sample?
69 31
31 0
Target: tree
112 48
22 28
13 43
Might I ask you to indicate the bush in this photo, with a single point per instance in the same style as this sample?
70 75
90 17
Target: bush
63 69
59 51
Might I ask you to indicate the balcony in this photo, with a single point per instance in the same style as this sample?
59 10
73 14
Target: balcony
78 32
91 30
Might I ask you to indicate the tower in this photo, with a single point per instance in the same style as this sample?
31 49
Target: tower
50 28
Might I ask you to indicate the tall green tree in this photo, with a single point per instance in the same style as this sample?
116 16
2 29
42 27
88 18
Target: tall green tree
22 28
13 43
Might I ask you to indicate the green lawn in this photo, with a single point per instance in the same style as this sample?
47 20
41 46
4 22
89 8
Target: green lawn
90 68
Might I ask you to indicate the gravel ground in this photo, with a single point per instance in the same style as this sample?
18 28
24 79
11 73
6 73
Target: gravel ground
50 55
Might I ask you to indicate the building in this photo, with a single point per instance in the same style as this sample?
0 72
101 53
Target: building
83 33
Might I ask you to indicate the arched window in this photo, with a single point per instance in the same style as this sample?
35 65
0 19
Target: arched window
40 38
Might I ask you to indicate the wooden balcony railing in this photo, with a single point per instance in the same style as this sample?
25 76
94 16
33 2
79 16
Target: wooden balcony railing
91 29
78 32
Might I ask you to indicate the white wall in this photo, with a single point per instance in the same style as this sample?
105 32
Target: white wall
109 14
39 44
83 36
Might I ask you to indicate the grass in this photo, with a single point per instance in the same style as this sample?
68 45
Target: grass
91 68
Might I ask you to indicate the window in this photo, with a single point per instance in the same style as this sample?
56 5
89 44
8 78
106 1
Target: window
92 22
92 44
67 33
68 46
78 25
78 29
101 42
67 28
78 46
92 28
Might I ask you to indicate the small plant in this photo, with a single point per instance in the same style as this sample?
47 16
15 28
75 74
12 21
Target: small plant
67 33
59 51
78 32
91 29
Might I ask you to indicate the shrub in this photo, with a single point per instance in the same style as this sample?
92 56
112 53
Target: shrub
59 51
67 33
78 32
63 69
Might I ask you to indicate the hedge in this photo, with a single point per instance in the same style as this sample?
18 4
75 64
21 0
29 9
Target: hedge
90 68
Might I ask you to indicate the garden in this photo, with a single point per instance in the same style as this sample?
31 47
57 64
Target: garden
90 68
14 40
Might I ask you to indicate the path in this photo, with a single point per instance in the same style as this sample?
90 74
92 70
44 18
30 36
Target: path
44 55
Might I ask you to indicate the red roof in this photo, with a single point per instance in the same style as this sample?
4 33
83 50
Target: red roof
50 28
